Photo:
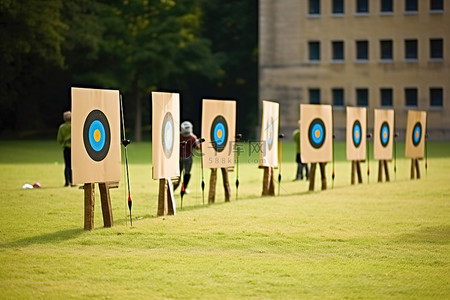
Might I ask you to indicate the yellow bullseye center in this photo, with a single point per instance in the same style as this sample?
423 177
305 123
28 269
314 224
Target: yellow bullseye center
219 133
317 133
417 134
357 134
168 135
385 134
97 135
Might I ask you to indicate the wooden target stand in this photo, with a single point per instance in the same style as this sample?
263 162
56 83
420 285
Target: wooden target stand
382 164
312 175
268 188
166 200
356 171
415 170
89 204
212 185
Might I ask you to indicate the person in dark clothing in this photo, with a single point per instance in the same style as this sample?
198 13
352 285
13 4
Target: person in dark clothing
64 140
298 159
188 141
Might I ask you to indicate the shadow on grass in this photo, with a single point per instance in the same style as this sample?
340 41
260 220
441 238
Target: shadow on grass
48 238
434 235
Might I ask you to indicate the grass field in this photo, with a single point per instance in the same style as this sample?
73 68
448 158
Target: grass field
371 241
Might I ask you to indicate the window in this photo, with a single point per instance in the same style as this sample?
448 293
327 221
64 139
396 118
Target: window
314 7
338 50
436 5
314 51
386 97
314 96
436 97
338 97
386 52
362 97
362 6
338 6
411 49
436 49
362 50
386 6
411 97
411 5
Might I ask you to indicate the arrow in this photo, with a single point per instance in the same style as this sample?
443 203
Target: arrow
125 143
183 191
369 135
332 174
280 156
201 163
238 138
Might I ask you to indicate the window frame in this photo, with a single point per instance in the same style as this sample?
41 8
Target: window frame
337 60
436 107
391 58
441 58
338 89
436 10
411 11
310 44
367 56
314 13
362 89
391 90
358 10
408 59
333 6
310 94
405 96
387 12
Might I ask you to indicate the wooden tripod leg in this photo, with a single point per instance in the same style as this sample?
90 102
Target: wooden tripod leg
353 172
417 168
162 198
265 187
380 171
358 171
89 202
271 190
170 198
106 204
386 170
226 184
412 168
212 186
322 175
312 176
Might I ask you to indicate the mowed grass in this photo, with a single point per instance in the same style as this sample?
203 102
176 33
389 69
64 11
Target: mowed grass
375 240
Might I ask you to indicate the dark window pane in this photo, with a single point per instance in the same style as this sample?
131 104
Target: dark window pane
362 6
338 6
338 50
362 97
436 48
436 5
314 50
386 6
386 49
386 97
314 96
411 97
411 5
314 7
436 97
338 97
411 49
362 50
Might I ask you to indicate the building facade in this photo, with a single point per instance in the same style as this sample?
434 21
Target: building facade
390 54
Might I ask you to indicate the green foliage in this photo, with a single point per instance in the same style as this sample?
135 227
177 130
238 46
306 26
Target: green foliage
376 241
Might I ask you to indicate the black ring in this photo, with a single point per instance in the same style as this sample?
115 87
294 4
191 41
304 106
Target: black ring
96 115
356 123
310 133
219 119
381 133
418 124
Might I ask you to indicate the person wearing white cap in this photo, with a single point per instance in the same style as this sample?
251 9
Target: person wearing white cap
64 140
188 141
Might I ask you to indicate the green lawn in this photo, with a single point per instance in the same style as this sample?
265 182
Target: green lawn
376 240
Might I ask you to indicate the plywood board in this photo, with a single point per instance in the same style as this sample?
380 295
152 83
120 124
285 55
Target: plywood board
219 132
383 134
416 129
165 135
356 133
95 134
316 133
268 155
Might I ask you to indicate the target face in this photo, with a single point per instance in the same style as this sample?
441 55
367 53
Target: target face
96 135
270 133
417 134
384 134
219 133
357 133
167 135
317 133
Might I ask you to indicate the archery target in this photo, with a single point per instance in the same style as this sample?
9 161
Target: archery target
415 134
268 154
166 135
383 134
316 133
95 134
356 133
219 133
218 130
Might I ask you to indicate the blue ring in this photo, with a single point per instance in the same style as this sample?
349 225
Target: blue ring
168 142
97 145
417 129
315 139
219 140
357 129
384 139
